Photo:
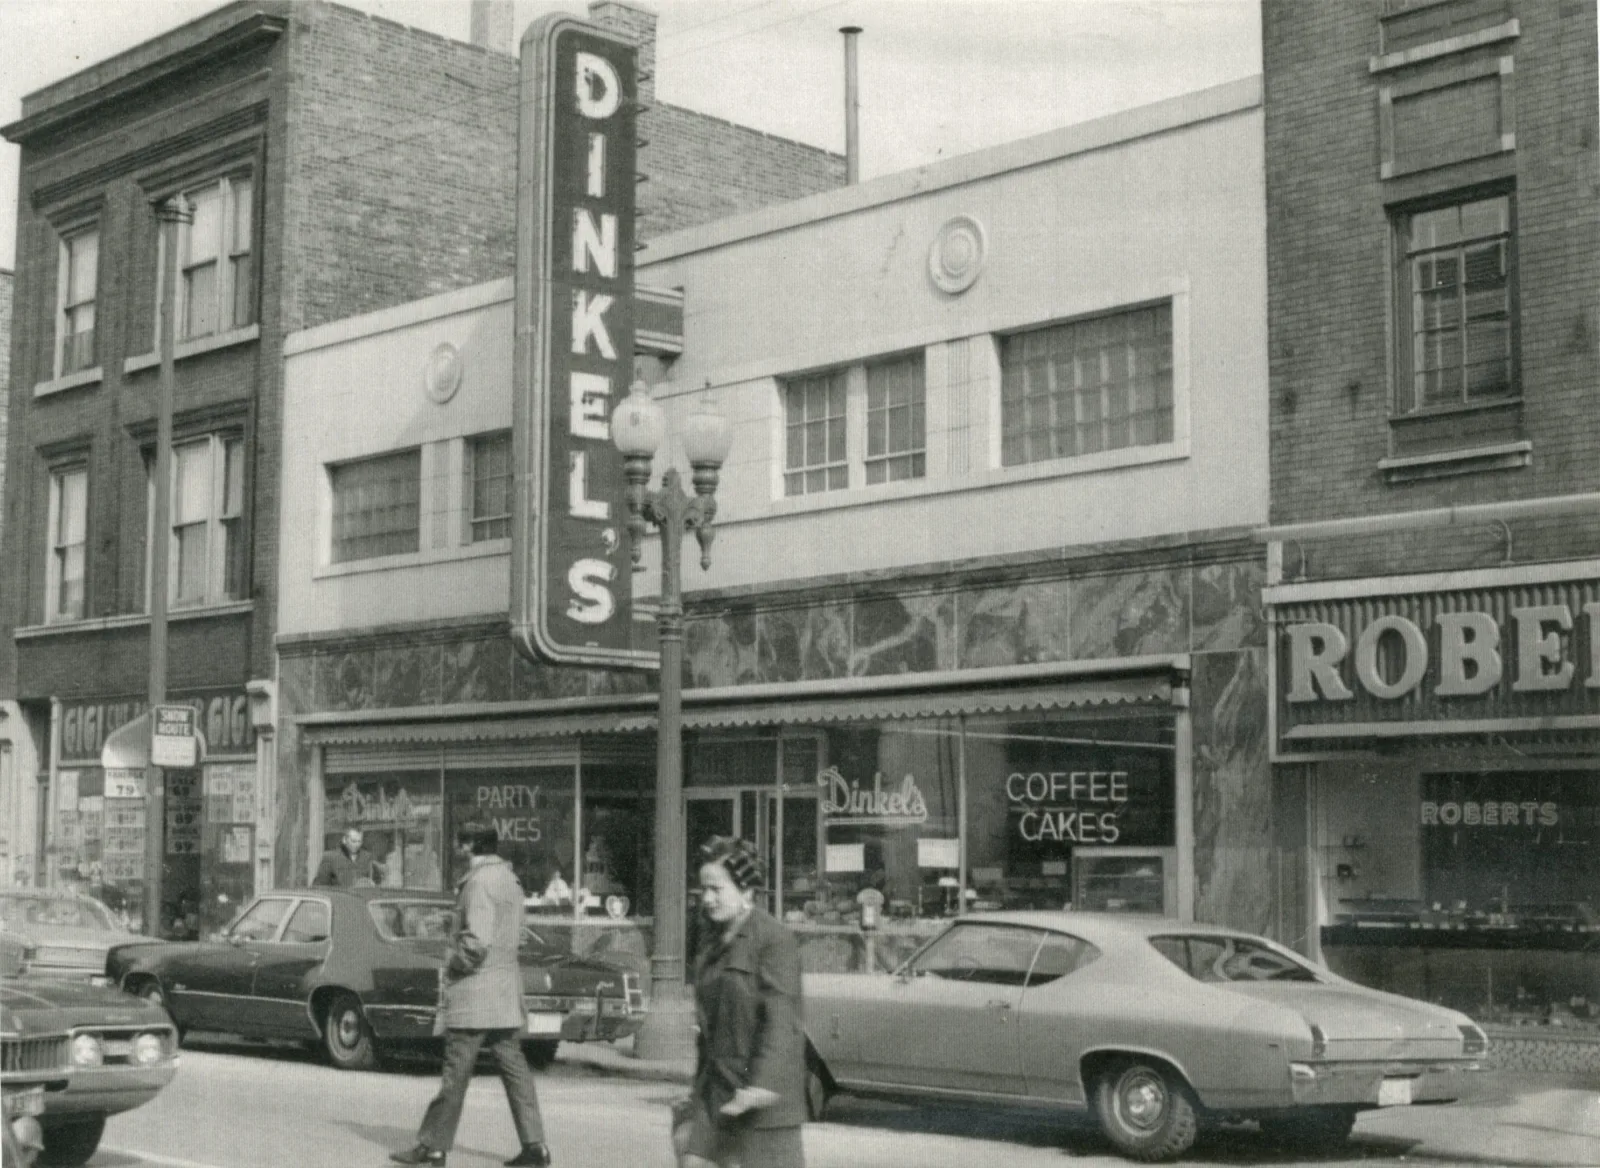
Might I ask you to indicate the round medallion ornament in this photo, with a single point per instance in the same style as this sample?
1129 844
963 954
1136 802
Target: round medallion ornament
442 375
955 261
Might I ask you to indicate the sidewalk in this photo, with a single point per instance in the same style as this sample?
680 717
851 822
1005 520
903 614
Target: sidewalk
616 1058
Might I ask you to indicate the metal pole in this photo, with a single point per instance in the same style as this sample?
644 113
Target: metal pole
667 1032
852 108
171 214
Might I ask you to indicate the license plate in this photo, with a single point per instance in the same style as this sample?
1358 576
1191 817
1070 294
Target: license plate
24 1101
1394 1092
544 1023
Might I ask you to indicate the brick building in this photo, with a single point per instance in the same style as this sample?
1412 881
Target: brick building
339 163
1433 241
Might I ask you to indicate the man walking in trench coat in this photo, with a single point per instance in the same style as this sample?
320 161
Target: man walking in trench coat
481 1002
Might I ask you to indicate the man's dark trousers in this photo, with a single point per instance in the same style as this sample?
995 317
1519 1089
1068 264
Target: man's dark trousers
460 1056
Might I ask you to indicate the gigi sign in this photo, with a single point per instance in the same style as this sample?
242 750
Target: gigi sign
1467 655
571 579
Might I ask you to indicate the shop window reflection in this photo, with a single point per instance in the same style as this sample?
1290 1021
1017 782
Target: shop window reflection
400 817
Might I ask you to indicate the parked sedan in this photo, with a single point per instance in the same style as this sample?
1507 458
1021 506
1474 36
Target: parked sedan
1156 1025
357 971
72 933
122 1052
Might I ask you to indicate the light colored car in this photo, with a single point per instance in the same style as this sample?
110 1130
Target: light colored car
1158 1026
70 933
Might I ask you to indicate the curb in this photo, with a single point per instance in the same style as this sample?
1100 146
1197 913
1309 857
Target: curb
610 1059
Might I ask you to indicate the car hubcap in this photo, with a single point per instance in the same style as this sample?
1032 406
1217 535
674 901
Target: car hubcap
1142 1100
349 1028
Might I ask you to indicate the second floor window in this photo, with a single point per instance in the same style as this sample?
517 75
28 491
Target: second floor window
1456 296
488 487
896 428
376 506
80 262
206 554
216 279
68 525
814 435
1087 386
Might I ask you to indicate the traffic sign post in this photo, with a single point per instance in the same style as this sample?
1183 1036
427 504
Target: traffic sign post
172 737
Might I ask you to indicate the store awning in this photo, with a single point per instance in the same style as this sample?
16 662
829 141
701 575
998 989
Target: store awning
128 746
1110 692
719 711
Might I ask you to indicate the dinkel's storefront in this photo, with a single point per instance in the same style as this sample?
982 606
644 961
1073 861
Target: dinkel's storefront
1447 729
878 814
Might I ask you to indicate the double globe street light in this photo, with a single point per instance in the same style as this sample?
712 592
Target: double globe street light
638 427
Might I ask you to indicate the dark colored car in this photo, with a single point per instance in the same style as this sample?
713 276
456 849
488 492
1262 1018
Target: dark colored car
35 1057
357 971
119 1052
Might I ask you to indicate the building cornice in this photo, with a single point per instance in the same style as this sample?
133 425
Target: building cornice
231 30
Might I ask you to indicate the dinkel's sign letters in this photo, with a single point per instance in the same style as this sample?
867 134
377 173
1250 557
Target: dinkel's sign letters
572 596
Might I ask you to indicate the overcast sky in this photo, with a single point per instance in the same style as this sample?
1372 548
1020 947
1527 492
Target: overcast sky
938 77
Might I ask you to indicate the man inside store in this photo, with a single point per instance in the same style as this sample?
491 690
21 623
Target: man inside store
345 865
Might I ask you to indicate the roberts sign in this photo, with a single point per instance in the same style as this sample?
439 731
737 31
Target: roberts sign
571 580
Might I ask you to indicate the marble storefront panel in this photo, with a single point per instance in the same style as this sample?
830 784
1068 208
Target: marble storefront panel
476 671
406 675
902 634
344 680
297 685
803 644
1015 624
1233 804
1226 606
1130 614
610 682
720 648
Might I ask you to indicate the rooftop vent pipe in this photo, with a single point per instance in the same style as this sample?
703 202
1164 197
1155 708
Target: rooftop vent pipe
852 108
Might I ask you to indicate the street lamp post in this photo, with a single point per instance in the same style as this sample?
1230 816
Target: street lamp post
637 427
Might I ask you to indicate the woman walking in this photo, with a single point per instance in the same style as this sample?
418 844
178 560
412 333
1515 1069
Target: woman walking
748 1098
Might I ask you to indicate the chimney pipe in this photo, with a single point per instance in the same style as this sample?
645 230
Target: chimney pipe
491 25
852 108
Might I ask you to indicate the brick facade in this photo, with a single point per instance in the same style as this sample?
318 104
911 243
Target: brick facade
7 280
1329 264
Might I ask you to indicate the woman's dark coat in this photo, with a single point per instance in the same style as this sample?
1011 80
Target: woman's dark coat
747 993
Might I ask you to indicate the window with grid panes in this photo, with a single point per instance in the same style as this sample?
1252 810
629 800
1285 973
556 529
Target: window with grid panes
207 550
216 274
1456 292
896 430
69 523
488 487
80 261
376 506
1087 386
814 431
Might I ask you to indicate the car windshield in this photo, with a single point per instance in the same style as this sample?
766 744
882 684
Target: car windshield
18 912
411 920
1222 959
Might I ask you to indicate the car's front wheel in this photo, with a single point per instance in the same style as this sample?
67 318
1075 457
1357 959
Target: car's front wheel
1146 1110
71 1141
540 1052
150 990
346 1037
1310 1128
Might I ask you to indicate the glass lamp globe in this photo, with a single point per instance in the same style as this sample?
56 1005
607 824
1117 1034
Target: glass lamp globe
707 435
638 424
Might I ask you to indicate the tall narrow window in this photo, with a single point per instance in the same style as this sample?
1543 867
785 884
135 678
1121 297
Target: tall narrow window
68 525
1457 292
896 428
488 487
80 261
814 423
206 552
216 287
1087 386
376 506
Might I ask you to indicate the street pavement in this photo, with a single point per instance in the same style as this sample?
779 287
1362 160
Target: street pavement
234 1105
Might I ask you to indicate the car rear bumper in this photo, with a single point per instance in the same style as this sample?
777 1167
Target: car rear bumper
1378 1084
108 1090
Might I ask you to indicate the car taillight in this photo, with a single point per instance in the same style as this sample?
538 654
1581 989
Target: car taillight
1319 1041
1473 1041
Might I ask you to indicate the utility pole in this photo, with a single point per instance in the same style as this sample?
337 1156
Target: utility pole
172 214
